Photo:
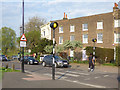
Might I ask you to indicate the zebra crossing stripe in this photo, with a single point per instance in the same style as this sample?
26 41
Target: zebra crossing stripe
78 73
67 74
57 76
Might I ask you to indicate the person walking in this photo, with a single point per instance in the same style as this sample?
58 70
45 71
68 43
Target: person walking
91 63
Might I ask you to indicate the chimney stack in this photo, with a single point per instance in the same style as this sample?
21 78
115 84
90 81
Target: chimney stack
65 16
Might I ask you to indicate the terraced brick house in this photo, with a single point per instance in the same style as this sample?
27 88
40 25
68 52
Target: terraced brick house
104 27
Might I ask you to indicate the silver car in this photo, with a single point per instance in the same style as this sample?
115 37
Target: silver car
48 60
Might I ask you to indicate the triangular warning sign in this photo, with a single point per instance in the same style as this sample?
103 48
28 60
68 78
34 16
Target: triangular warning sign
23 38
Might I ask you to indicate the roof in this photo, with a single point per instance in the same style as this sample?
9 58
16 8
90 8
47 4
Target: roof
84 17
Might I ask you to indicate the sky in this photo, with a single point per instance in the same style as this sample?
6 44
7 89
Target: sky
11 10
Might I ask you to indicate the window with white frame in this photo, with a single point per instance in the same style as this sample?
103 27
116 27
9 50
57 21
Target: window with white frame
85 27
99 38
116 37
99 25
61 40
117 23
72 28
85 38
61 29
72 38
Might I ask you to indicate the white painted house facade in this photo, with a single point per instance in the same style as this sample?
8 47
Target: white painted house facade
46 31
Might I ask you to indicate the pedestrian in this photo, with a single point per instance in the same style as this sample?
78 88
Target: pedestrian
91 63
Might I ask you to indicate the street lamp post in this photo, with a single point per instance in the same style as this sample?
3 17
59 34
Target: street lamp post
53 25
22 66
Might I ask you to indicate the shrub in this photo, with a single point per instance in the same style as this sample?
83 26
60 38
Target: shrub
117 56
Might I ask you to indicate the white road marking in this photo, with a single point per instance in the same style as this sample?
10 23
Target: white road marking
73 75
87 79
96 86
106 75
56 76
78 73
97 77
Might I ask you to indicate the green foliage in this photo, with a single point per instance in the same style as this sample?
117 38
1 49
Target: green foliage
117 56
101 53
8 40
72 45
48 49
59 49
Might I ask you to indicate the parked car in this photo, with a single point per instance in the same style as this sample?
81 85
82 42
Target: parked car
3 58
30 60
15 57
48 60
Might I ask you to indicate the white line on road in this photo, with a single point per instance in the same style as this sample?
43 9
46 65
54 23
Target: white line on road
57 76
78 73
96 86
97 77
73 75
106 75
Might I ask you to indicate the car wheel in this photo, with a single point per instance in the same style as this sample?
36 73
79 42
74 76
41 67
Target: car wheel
28 63
43 64
56 65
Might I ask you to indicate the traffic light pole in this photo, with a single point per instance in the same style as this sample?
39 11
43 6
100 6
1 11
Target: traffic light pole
94 51
22 66
53 65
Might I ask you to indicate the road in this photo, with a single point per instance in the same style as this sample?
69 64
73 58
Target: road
76 76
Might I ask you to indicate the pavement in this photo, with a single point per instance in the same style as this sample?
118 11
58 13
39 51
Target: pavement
32 80
98 68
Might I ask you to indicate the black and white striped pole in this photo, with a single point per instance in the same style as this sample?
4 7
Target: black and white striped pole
53 25
94 40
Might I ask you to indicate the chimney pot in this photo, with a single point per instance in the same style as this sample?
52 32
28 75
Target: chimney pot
64 14
115 5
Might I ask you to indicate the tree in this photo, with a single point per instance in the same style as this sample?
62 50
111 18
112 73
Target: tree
34 24
8 40
49 49
59 49
72 45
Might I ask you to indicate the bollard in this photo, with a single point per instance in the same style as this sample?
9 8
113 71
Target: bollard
13 67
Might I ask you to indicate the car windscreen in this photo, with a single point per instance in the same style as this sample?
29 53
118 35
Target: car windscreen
31 58
57 58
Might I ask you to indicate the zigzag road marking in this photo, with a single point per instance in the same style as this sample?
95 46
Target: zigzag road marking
91 85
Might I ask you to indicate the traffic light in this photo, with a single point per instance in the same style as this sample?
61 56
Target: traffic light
94 40
54 25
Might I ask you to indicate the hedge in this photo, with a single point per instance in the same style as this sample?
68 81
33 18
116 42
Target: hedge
101 54
117 56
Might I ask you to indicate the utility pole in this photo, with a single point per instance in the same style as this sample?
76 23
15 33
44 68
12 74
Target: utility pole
53 25
22 66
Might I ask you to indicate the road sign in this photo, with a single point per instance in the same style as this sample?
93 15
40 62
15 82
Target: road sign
22 43
23 38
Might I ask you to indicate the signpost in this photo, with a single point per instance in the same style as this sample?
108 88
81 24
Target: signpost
23 44
53 25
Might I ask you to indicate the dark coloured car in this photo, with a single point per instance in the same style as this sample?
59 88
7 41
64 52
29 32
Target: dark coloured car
3 58
15 57
48 60
30 60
